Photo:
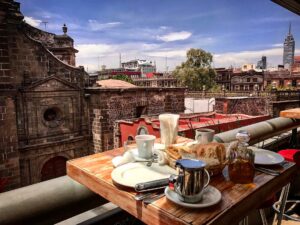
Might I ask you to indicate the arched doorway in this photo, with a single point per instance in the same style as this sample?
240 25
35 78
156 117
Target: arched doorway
54 167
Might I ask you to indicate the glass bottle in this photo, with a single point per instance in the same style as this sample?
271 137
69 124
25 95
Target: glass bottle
241 160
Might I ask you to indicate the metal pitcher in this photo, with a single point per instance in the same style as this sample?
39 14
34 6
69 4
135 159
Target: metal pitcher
190 182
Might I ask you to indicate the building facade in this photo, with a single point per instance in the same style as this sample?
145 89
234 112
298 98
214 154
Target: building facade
223 78
288 50
43 119
247 81
142 65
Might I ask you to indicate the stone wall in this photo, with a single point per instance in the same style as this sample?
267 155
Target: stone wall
244 105
33 82
9 154
108 105
276 107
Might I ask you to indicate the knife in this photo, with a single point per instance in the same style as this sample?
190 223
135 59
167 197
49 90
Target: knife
152 185
268 171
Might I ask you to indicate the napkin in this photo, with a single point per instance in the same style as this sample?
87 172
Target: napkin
127 157
161 157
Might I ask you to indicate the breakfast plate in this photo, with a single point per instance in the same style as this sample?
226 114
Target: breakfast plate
211 196
131 174
266 157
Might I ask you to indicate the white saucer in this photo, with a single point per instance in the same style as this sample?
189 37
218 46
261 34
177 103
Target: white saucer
211 196
135 152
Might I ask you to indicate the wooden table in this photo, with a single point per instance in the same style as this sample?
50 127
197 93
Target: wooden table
292 114
94 172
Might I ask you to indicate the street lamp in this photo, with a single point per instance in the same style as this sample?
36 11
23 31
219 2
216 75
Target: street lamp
289 85
273 86
256 88
223 89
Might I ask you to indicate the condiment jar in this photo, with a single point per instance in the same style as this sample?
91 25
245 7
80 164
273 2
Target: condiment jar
241 160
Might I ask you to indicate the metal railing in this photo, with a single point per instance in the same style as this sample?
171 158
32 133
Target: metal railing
274 95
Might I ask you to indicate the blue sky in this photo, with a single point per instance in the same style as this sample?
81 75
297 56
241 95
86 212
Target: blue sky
235 31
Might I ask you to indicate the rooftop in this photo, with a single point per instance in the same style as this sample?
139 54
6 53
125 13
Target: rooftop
111 83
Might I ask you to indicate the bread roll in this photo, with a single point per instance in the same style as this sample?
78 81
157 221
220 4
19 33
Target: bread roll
212 153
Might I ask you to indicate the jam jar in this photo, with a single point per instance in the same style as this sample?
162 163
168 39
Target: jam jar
241 160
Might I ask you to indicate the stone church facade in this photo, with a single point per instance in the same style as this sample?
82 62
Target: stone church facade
48 115
43 118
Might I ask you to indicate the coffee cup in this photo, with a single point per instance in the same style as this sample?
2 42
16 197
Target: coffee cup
204 136
145 144
191 181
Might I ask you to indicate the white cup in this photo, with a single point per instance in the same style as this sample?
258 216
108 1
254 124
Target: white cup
145 144
204 136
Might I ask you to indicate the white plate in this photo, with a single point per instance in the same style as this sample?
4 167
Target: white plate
133 173
211 196
266 157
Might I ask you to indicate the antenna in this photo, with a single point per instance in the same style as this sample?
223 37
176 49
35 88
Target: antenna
120 60
45 24
290 28
166 64
99 63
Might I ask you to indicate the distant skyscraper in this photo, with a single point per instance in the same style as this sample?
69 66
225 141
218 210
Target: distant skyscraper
289 49
262 64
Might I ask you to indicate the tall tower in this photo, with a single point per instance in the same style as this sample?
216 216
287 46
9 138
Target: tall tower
289 49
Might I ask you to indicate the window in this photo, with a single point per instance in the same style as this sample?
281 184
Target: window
52 117
248 79
140 110
254 79
142 130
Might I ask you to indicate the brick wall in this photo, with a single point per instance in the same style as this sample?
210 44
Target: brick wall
9 156
27 141
249 106
5 75
108 105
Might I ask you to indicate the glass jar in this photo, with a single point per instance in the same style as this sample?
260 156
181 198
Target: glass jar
241 160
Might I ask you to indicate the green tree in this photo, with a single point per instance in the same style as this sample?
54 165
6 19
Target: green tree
123 77
196 71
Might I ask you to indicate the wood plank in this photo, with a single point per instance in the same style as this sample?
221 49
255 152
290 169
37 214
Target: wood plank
291 113
94 172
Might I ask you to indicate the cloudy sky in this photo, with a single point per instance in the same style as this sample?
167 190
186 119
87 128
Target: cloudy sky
235 31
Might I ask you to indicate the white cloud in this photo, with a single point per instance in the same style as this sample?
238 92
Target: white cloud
95 25
277 45
32 21
236 59
175 36
92 56
168 53
94 50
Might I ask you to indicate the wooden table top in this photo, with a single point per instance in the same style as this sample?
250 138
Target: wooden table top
94 172
291 113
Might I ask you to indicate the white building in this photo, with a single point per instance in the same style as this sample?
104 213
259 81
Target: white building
142 65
